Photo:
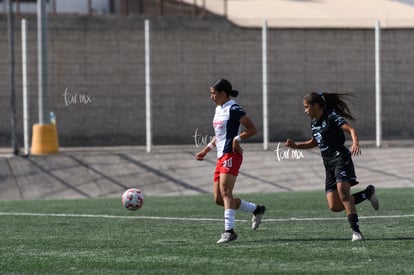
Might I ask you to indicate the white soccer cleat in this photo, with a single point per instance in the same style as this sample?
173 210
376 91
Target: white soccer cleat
257 216
357 236
372 197
227 237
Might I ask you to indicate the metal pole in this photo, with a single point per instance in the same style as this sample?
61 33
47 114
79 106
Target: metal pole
42 62
378 83
89 7
25 84
265 88
10 21
148 87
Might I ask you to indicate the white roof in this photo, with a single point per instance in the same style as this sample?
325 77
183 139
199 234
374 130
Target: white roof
314 13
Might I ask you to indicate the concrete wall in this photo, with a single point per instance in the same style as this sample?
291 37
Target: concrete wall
97 88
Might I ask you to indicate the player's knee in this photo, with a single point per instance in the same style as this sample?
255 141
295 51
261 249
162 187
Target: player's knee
345 197
334 208
219 201
226 193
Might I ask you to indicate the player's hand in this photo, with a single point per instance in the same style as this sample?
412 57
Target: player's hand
355 150
290 143
236 147
200 155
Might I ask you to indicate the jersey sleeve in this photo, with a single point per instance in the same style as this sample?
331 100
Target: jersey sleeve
337 118
237 112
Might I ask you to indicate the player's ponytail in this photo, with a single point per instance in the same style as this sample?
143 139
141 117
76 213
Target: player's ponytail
223 85
332 101
234 93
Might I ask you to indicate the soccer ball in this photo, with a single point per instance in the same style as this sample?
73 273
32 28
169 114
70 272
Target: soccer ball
132 199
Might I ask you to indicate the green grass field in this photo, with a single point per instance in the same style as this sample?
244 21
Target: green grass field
177 235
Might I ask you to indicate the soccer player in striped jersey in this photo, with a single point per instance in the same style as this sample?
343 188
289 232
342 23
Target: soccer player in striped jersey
226 123
328 113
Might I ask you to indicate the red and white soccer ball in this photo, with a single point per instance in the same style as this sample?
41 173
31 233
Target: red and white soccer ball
132 199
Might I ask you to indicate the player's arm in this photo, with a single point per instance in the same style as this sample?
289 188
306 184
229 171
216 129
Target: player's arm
355 150
212 144
249 130
311 143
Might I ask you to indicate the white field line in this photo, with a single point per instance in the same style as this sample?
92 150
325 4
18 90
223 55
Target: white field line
189 219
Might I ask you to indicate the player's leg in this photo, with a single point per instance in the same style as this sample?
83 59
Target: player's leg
332 194
339 201
334 201
250 207
216 189
348 167
240 204
344 192
243 205
345 178
217 195
226 185
367 194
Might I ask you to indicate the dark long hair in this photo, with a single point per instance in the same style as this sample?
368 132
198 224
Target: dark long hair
332 101
224 85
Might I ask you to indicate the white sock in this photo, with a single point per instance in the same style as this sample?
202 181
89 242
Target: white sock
229 217
247 206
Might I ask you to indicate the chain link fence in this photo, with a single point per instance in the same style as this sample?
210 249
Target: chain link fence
96 74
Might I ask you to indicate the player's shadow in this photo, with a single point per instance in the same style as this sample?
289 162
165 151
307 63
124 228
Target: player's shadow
391 239
293 240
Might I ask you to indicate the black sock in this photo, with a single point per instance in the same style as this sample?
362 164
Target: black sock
230 231
360 196
353 221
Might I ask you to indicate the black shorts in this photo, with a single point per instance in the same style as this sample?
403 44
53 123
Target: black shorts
339 168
